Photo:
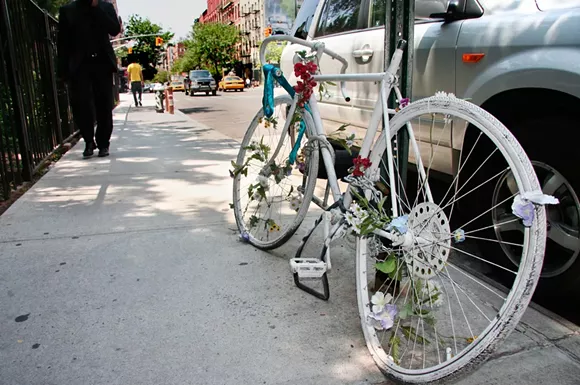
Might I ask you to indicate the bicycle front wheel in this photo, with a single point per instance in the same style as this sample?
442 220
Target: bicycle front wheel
431 308
271 195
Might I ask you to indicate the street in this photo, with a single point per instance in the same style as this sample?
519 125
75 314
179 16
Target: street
229 112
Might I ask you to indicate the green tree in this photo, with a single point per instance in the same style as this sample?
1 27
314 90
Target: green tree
214 45
189 61
145 52
161 77
274 52
51 6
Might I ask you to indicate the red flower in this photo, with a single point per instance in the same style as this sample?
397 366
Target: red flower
360 165
306 85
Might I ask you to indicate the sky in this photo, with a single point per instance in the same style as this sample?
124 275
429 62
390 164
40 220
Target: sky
176 16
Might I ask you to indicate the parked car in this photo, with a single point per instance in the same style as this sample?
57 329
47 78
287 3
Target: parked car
202 81
526 74
178 85
147 87
235 83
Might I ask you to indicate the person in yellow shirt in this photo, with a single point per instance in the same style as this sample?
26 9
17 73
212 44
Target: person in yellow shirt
135 72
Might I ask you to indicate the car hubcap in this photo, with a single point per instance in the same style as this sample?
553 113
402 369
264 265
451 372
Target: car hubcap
563 220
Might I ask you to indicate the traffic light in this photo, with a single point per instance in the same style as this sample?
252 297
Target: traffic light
158 41
130 50
268 31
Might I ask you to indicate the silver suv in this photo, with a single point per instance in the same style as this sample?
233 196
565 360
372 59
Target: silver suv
518 59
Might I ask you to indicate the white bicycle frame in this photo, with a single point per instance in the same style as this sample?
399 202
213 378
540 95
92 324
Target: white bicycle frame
388 82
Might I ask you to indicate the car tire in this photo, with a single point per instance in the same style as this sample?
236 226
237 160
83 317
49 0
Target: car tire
214 92
555 288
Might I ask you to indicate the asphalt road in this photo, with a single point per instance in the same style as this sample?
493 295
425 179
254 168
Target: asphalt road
229 112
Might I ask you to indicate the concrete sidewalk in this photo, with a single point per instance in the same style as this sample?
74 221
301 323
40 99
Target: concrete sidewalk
127 270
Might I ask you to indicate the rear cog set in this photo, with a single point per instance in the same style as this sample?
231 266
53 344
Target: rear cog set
429 227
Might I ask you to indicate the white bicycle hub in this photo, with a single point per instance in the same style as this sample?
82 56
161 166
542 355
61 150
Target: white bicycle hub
427 246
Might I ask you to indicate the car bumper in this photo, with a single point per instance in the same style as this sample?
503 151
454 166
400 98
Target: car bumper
200 88
233 86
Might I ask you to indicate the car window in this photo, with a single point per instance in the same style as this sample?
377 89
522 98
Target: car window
304 19
338 16
423 10
200 74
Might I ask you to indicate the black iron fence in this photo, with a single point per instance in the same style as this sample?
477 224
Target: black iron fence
35 117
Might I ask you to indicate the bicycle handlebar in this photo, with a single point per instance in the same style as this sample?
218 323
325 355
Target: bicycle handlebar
318 47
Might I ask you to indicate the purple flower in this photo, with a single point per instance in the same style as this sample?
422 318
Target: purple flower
524 209
301 166
244 237
404 102
386 319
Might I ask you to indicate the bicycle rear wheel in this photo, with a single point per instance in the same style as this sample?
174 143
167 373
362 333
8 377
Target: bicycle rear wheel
429 310
271 196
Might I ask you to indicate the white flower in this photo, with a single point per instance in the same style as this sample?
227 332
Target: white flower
256 196
379 301
349 142
440 93
358 211
263 181
351 219
295 203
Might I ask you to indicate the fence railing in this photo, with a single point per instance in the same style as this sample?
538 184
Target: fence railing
35 116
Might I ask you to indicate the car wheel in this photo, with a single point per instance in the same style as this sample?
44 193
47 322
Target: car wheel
214 92
207 93
560 277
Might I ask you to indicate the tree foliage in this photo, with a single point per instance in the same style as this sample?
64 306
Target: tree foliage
51 6
274 52
145 52
212 45
189 61
161 77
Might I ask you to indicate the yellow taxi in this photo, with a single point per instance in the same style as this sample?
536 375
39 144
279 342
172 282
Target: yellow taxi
231 83
178 86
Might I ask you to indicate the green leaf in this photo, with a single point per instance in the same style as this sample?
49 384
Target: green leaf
231 205
387 266
405 311
395 343
331 83
411 334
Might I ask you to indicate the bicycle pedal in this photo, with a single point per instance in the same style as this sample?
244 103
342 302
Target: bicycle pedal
311 269
308 267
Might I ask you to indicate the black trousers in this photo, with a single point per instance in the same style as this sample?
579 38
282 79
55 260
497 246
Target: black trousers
136 88
91 92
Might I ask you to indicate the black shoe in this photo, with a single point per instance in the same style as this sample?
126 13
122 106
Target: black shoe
89 150
103 152
140 104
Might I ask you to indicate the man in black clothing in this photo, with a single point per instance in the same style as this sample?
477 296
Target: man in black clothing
86 61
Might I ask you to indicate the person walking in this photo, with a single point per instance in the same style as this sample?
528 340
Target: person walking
135 72
87 62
